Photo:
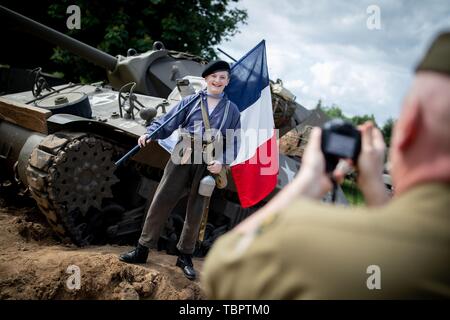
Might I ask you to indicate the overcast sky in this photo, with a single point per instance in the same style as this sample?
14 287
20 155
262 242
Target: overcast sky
325 49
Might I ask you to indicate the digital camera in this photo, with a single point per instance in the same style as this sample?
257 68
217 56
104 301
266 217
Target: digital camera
340 140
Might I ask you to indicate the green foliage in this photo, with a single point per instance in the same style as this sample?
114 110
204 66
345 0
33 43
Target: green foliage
193 26
335 112
352 193
386 130
357 120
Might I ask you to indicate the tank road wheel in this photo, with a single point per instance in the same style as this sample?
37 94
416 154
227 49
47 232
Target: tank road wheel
69 175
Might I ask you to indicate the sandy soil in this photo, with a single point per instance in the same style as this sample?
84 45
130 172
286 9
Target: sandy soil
34 265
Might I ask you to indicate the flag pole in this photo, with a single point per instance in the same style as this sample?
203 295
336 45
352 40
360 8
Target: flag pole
234 60
136 148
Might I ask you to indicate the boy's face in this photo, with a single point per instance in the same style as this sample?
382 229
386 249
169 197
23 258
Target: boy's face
217 81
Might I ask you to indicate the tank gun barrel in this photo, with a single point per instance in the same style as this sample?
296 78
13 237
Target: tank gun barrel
85 51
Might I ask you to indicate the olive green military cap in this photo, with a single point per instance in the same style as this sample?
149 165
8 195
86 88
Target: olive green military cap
437 57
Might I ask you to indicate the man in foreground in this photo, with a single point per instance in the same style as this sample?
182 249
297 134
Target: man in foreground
298 248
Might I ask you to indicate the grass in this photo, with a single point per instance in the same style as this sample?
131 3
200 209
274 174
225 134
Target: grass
352 193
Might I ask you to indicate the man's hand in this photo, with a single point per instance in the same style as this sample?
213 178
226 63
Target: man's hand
371 164
214 167
143 140
312 180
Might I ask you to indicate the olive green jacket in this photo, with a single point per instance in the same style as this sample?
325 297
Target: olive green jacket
312 250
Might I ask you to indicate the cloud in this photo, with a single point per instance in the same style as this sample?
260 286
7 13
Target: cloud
295 84
324 50
323 73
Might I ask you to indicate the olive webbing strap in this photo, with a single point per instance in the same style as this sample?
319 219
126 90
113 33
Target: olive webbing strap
205 120
207 132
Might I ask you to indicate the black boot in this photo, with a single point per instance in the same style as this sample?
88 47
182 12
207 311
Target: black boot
184 261
137 255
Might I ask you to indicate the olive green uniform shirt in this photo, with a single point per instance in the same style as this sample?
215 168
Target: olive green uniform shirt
312 250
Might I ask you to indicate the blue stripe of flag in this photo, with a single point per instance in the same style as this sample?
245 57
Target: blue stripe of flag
249 76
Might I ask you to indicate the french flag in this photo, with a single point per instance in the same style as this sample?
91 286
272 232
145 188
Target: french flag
255 168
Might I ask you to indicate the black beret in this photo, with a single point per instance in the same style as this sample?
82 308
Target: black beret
214 66
437 57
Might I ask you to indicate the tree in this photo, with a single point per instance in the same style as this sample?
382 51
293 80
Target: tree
386 130
334 112
193 26
357 120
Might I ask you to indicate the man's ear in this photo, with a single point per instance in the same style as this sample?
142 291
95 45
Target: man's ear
411 125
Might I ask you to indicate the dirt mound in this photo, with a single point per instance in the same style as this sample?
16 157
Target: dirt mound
34 265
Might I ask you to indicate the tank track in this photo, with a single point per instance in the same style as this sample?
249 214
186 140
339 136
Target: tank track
69 175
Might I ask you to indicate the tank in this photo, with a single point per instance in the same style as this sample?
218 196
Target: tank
60 144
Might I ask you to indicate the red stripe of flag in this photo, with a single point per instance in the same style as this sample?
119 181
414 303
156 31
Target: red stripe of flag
254 178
